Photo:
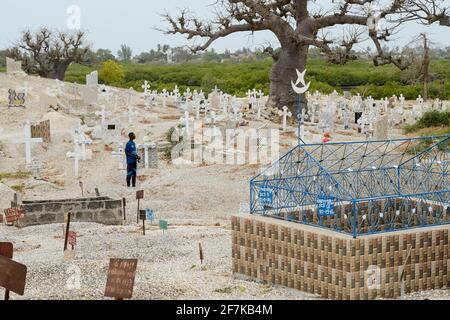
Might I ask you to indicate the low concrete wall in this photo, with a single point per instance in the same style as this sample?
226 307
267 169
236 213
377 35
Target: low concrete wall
335 265
100 210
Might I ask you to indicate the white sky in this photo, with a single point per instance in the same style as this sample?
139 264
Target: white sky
111 23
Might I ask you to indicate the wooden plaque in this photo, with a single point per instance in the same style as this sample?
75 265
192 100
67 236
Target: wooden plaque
12 275
120 282
6 249
140 194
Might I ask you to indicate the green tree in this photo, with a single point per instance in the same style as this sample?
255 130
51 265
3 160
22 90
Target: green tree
111 73
125 53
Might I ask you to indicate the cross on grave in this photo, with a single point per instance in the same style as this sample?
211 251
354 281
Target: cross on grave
346 118
285 113
119 154
185 121
213 118
103 114
146 147
131 113
35 167
197 108
164 95
363 121
82 140
145 86
236 114
26 88
130 96
27 140
176 92
105 92
77 156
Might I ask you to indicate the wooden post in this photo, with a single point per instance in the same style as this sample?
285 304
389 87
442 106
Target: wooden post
124 204
81 186
66 238
143 226
137 215
200 252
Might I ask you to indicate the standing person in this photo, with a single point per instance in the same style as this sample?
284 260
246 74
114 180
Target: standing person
132 160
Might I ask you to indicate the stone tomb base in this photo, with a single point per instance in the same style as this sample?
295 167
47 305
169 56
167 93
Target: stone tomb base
100 210
336 266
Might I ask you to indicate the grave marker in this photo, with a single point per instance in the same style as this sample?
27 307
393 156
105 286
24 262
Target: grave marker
124 204
27 140
163 225
139 196
200 250
66 237
143 217
14 214
41 130
12 276
120 281
6 249
16 100
150 215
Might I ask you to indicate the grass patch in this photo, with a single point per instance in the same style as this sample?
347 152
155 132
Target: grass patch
227 290
15 175
18 188
430 119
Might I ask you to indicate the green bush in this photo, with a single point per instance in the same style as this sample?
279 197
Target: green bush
237 78
430 119
111 73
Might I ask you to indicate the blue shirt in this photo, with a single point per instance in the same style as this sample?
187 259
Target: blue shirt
131 152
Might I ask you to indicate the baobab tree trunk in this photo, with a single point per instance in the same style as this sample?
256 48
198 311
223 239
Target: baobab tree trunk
59 71
282 73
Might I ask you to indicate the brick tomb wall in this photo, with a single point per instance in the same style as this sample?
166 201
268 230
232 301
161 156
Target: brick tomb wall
100 209
336 266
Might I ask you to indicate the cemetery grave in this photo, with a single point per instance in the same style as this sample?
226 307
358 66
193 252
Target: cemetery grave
75 133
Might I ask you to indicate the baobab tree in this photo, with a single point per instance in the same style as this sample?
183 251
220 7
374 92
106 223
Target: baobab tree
49 53
301 24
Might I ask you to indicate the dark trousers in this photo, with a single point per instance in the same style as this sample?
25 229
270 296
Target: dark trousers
131 174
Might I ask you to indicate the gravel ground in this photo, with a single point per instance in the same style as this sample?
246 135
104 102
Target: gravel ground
168 263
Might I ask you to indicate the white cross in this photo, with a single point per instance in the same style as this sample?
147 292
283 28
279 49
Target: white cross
27 140
131 113
236 114
119 154
131 94
103 114
213 118
164 94
59 85
146 146
197 111
285 113
176 92
346 117
77 156
26 88
145 86
186 121
82 140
